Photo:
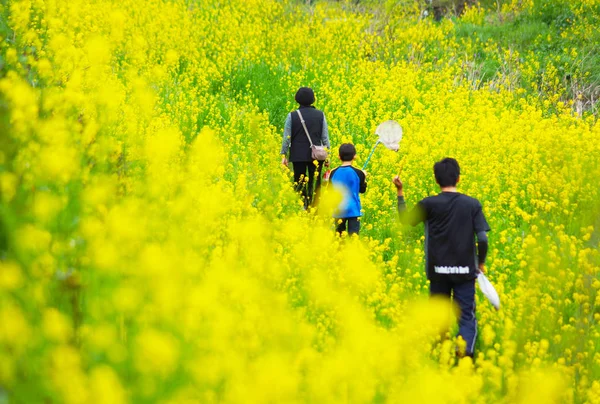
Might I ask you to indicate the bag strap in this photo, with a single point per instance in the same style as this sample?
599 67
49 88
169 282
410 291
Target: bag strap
304 126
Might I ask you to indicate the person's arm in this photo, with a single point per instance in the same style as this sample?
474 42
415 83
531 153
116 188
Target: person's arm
362 175
482 249
287 139
481 227
325 133
413 217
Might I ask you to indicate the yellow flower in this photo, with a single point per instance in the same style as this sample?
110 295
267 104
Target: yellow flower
10 276
156 353
56 326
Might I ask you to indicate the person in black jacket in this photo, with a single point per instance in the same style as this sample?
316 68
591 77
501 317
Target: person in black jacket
452 258
296 142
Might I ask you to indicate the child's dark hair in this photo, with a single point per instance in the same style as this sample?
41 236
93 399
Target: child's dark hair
347 152
446 172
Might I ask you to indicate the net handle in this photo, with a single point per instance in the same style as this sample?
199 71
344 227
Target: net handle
371 154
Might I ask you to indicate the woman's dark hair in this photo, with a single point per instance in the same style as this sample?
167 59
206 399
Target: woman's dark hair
446 172
347 152
305 96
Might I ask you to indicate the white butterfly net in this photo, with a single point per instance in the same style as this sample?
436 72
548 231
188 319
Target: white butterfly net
390 134
488 290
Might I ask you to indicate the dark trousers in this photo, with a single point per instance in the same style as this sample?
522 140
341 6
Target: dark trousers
350 224
464 296
306 183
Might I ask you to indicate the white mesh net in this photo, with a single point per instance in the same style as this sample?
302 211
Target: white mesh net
390 134
488 290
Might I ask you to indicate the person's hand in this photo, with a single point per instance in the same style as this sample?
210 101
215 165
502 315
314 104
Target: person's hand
284 161
482 267
398 183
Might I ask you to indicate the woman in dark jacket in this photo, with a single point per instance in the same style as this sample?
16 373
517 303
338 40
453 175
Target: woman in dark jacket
296 142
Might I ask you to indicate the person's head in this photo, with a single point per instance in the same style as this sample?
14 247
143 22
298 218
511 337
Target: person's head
447 172
347 152
305 96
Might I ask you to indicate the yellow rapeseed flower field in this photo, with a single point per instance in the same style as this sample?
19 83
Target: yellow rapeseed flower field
152 248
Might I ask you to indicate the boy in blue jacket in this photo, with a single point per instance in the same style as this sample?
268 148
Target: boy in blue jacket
350 182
